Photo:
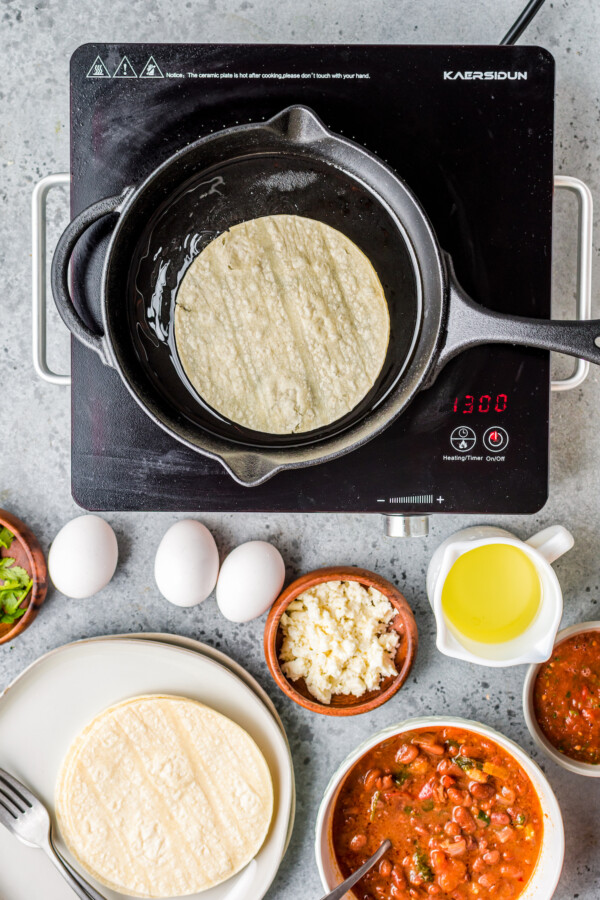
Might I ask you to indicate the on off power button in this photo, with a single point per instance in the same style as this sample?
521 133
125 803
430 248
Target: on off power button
495 440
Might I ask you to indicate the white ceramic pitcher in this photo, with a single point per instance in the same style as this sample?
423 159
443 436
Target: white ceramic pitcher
536 643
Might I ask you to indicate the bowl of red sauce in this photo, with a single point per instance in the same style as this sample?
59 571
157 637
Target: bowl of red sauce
468 813
561 700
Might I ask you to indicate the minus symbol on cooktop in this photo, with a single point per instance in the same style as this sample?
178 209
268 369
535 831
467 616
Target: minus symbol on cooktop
381 500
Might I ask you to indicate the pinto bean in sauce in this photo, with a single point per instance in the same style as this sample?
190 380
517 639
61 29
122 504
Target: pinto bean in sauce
458 831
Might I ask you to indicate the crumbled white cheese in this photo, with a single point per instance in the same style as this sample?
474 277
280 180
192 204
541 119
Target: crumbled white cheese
336 637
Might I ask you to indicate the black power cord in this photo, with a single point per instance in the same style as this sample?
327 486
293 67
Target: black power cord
516 30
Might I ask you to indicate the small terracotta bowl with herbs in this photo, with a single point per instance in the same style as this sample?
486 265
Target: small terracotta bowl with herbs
400 622
23 576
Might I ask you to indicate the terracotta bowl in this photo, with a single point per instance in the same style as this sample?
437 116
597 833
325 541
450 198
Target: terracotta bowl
343 704
28 554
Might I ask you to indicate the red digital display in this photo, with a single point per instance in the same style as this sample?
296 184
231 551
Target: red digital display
480 403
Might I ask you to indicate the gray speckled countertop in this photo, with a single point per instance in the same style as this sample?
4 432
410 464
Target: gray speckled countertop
37 39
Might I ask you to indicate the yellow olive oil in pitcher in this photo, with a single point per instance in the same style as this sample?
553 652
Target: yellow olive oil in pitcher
491 594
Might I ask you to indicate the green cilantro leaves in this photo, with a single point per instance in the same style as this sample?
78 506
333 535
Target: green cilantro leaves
6 537
15 584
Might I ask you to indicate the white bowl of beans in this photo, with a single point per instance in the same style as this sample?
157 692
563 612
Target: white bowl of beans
561 700
468 813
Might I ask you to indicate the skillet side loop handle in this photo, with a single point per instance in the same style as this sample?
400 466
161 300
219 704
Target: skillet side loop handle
470 325
59 277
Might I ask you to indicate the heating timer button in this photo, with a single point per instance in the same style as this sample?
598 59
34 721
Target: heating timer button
495 439
463 439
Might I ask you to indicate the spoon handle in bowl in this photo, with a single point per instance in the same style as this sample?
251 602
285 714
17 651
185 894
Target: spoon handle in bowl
338 892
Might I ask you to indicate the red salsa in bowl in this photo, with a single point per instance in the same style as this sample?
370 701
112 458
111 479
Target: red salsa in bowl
566 697
463 817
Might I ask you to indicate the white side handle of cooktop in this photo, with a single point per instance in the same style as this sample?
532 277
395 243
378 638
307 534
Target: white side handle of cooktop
38 276
585 227
38 262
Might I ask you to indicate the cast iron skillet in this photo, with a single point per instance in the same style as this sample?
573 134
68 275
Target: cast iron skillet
289 164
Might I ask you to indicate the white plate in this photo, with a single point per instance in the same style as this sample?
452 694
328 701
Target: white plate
180 640
51 701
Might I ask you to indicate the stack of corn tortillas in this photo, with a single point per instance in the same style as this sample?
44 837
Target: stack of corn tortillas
163 797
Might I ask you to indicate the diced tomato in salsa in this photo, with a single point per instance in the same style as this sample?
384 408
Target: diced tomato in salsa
566 697
466 823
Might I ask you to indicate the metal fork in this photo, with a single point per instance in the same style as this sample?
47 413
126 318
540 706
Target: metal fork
27 818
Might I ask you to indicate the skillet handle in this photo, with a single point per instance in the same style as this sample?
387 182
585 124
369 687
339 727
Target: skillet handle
470 325
59 277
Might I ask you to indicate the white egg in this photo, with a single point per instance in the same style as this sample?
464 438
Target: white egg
83 557
187 563
250 581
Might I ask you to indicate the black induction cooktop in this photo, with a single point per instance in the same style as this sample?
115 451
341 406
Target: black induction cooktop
471 131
